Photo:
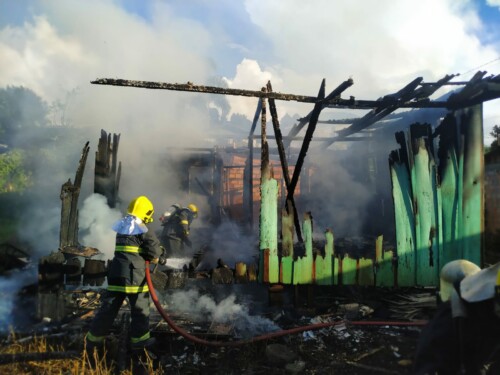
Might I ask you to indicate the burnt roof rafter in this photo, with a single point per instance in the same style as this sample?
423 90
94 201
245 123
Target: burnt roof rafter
476 90
414 95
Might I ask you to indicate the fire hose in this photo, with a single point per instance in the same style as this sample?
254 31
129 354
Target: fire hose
266 336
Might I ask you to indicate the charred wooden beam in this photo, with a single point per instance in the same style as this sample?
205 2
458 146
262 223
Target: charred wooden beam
322 139
335 94
307 140
389 103
202 89
284 162
336 102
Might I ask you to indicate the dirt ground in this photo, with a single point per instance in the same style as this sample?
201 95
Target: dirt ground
382 346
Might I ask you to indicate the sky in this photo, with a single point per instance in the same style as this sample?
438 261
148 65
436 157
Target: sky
56 48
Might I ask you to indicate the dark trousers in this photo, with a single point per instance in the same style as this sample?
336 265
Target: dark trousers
111 303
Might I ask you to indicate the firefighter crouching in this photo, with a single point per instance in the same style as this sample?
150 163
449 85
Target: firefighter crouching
127 277
176 225
463 337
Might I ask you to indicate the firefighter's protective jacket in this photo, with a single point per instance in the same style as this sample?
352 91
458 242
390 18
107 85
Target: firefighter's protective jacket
127 271
178 225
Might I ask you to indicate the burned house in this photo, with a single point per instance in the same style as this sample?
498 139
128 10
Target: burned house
426 205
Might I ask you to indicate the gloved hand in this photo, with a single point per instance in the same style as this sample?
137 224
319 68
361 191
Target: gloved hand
162 260
163 257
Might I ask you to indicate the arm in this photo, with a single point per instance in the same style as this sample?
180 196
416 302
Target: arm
151 248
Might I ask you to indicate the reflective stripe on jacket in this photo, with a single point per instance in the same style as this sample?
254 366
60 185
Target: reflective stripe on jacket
127 270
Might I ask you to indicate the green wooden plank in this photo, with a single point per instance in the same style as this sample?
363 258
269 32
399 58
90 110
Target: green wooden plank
460 192
324 265
384 275
287 231
286 270
269 229
349 266
385 270
336 267
307 261
473 183
366 272
297 267
405 224
449 201
423 196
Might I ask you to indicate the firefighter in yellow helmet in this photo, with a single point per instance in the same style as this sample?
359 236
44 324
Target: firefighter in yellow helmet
135 245
176 225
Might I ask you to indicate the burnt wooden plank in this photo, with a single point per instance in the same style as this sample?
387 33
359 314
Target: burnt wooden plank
283 160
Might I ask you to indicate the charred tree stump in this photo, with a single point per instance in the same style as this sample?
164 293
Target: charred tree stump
107 171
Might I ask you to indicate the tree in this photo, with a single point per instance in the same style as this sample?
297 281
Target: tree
13 175
21 110
495 133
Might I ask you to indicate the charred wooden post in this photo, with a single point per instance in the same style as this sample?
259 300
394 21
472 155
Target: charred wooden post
286 270
107 172
283 160
268 244
68 235
248 172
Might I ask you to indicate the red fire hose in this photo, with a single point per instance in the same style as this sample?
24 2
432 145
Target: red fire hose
266 336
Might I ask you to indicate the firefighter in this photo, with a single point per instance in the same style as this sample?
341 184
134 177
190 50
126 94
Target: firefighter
135 245
176 225
463 336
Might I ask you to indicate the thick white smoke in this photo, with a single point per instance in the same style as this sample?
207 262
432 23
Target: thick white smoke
95 222
204 308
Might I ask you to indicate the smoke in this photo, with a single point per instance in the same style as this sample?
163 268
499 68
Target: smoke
204 308
95 221
231 245
339 201
9 287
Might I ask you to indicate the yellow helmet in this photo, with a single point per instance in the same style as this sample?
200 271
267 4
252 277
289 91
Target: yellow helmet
142 208
192 207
